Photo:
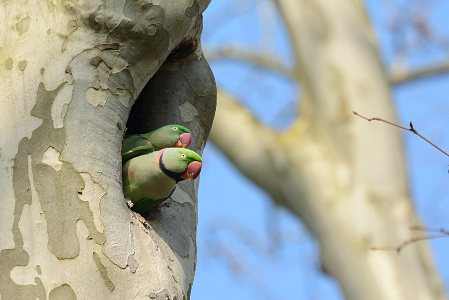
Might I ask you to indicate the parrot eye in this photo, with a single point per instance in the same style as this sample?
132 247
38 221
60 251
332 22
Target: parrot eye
175 128
183 156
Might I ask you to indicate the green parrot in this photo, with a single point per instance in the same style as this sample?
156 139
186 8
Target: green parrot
149 179
164 137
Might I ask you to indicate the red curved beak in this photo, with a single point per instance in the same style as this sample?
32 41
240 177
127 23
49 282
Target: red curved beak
193 170
184 140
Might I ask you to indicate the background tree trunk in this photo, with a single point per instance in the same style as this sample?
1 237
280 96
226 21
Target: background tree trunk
345 178
70 74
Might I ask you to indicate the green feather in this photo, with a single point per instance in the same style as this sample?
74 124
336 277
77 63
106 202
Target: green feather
146 184
140 144
147 204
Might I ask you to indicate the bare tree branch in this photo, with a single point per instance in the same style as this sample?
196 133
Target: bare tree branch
327 183
411 129
262 60
406 76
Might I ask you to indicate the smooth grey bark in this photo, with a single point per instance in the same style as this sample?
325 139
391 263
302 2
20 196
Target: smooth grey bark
345 178
71 72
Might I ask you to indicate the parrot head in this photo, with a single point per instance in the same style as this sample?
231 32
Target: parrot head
180 163
173 135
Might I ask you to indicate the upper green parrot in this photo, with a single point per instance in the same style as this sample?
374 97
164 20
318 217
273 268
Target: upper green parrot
149 179
164 137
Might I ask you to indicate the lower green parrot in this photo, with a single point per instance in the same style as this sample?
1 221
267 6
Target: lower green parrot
164 137
149 179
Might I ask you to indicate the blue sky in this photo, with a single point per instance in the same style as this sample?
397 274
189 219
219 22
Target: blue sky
239 227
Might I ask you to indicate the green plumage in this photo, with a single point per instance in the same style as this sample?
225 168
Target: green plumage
140 144
146 183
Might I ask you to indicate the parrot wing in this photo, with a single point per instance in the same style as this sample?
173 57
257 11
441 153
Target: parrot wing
135 145
146 204
136 151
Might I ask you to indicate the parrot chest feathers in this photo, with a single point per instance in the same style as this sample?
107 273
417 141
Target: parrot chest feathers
143 178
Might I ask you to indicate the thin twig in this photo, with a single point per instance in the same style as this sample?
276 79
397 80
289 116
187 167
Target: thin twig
429 229
409 241
439 233
405 77
262 60
411 129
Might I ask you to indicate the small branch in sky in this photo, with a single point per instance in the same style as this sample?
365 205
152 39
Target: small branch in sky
429 229
262 60
437 233
411 129
406 76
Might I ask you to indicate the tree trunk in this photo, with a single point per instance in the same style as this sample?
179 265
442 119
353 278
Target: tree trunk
70 75
344 177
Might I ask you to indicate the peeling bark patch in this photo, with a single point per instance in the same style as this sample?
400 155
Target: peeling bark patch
9 258
121 84
51 158
72 26
111 46
188 112
119 65
60 104
102 269
132 263
95 61
57 190
102 77
62 292
95 192
8 63
23 25
121 81
96 97
22 65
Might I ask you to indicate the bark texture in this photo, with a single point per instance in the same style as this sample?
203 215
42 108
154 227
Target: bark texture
344 177
70 72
